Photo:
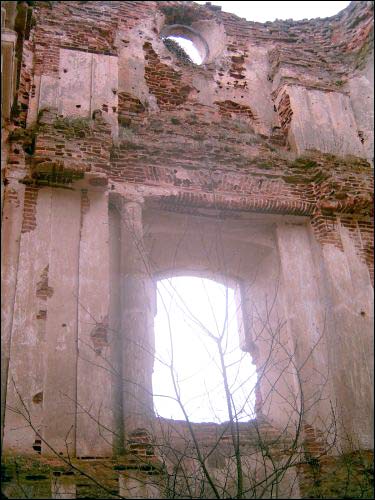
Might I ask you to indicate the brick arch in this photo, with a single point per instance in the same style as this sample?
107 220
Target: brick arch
179 30
222 250
226 280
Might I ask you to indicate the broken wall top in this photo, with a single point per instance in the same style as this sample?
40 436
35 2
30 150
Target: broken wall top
230 128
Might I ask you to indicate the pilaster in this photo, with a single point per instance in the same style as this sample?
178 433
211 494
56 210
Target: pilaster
137 314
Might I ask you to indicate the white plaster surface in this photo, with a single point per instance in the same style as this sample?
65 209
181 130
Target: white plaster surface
60 384
323 121
94 391
361 89
28 335
86 82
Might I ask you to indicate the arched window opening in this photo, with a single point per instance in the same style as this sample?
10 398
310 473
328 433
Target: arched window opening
197 354
184 49
185 43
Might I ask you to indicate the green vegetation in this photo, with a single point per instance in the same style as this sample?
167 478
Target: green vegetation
179 14
349 476
73 126
304 162
26 136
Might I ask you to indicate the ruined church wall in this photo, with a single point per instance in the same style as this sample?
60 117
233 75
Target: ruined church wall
231 136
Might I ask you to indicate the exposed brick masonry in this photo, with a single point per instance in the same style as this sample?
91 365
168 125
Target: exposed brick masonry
191 155
130 109
29 211
163 81
43 290
285 113
299 44
229 107
65 149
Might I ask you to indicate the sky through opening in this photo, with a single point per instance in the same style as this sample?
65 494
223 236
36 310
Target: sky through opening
192 315
188 47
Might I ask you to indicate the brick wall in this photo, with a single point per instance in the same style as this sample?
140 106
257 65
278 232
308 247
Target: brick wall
29 211
207 155
184 154
163 81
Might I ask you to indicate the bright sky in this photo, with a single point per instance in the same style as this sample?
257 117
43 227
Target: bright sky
192 313
271 10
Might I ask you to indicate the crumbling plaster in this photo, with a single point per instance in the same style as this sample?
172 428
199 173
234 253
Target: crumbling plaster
124 164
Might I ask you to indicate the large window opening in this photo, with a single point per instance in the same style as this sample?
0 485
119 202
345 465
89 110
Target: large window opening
199 367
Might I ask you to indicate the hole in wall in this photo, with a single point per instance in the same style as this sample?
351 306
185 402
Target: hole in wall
196 318
35 477
37 446
38 397
183 49
186 43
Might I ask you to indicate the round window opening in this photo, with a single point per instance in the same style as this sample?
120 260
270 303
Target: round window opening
185 43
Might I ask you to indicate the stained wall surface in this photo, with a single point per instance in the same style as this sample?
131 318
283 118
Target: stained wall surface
125 162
